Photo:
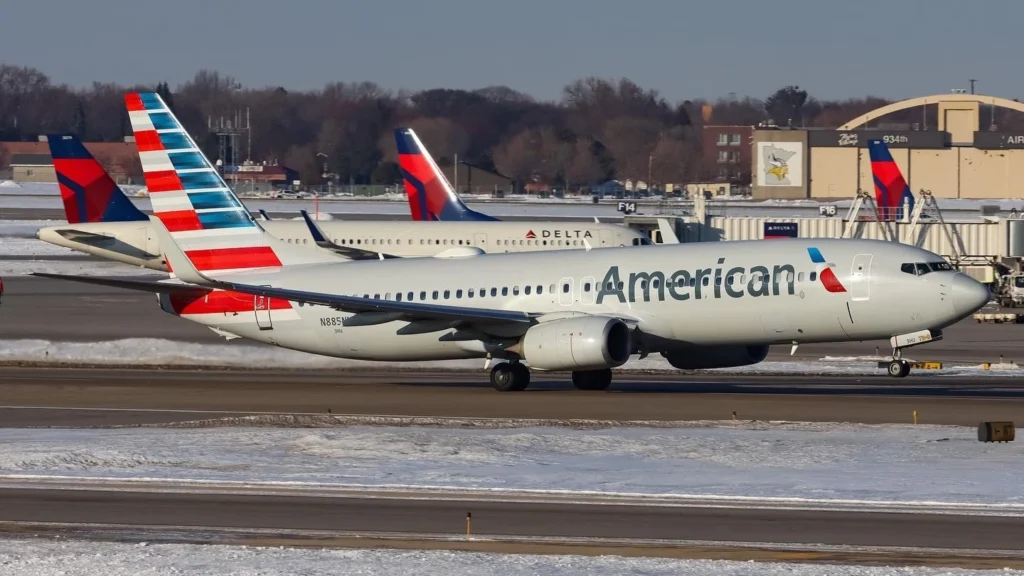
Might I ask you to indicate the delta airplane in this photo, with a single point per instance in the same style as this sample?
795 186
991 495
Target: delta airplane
102 221
703 305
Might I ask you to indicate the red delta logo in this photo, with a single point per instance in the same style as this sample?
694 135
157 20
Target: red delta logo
827 276
530 235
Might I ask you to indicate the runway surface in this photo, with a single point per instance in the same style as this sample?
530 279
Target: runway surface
194 515
101 397
56 310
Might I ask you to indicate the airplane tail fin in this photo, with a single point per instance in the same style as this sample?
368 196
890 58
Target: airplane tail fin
203 217
431 196
88 192
891 189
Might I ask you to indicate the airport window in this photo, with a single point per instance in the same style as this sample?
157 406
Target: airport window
723 139
447 293
504 290
434 294
734 139
515 290
458 293
723 156
526 289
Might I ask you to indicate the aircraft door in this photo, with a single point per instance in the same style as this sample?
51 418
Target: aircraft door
565 293
480 241
608 238
860 277
262 308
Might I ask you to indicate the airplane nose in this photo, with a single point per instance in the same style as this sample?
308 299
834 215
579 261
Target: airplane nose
968 294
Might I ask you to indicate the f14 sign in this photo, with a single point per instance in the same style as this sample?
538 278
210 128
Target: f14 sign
776 230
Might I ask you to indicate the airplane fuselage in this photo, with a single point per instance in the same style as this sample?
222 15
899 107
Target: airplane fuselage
677 296
135 243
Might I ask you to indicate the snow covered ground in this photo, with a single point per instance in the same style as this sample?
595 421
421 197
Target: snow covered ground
47 196
784 464
10 268
39 557
246 354
25 228
17 246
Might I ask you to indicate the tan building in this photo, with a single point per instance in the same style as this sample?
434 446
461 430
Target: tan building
955 159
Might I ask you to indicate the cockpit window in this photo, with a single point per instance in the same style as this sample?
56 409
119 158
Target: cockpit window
922 268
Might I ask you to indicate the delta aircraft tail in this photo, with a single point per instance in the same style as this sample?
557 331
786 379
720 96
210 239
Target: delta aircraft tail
891 187
200 212
431 196
88 192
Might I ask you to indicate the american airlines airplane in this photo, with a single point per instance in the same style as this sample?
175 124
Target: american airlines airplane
706 305
102 221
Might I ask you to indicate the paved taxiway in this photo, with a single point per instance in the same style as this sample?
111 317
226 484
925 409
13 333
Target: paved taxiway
102 397
55 310
438 515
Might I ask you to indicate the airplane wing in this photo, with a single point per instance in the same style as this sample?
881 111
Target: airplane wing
407 311
347 251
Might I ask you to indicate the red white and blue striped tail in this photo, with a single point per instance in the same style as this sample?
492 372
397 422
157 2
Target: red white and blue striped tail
204 217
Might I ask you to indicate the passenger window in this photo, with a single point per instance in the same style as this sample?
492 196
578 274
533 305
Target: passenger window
814 276
447 293
526 289
469 293
565 288
551 288
398 296
586 287
494 291
515 290
410 296
458 293
376 296
800 277
504 290
707 281
423 295
435 294
540 289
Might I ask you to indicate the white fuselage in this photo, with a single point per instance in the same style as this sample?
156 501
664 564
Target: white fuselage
722 293
136 243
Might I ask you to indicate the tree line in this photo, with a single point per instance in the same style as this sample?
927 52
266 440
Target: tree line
598 130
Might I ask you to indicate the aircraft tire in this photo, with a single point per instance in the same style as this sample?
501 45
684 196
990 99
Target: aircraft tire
592 379
506 377
899 368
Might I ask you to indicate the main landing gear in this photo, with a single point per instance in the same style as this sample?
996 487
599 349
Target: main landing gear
514 377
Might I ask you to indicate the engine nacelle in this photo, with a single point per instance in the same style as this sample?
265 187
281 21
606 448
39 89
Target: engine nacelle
705 357
582 343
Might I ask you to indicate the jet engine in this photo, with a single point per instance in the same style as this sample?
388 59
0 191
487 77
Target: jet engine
581 343
705 357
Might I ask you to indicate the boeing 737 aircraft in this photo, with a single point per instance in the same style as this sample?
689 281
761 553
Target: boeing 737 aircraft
705 305
111 227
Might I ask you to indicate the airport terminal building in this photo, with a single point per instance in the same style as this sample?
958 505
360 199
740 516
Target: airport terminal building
951 153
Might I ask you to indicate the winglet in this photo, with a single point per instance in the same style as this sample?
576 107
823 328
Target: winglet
314 229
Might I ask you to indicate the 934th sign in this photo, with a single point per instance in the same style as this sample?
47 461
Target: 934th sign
892 138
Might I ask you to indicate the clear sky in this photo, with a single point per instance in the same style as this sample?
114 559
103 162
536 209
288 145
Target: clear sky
684 49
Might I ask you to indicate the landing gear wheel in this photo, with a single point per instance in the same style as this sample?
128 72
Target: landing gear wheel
899 368
506 377
592 379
